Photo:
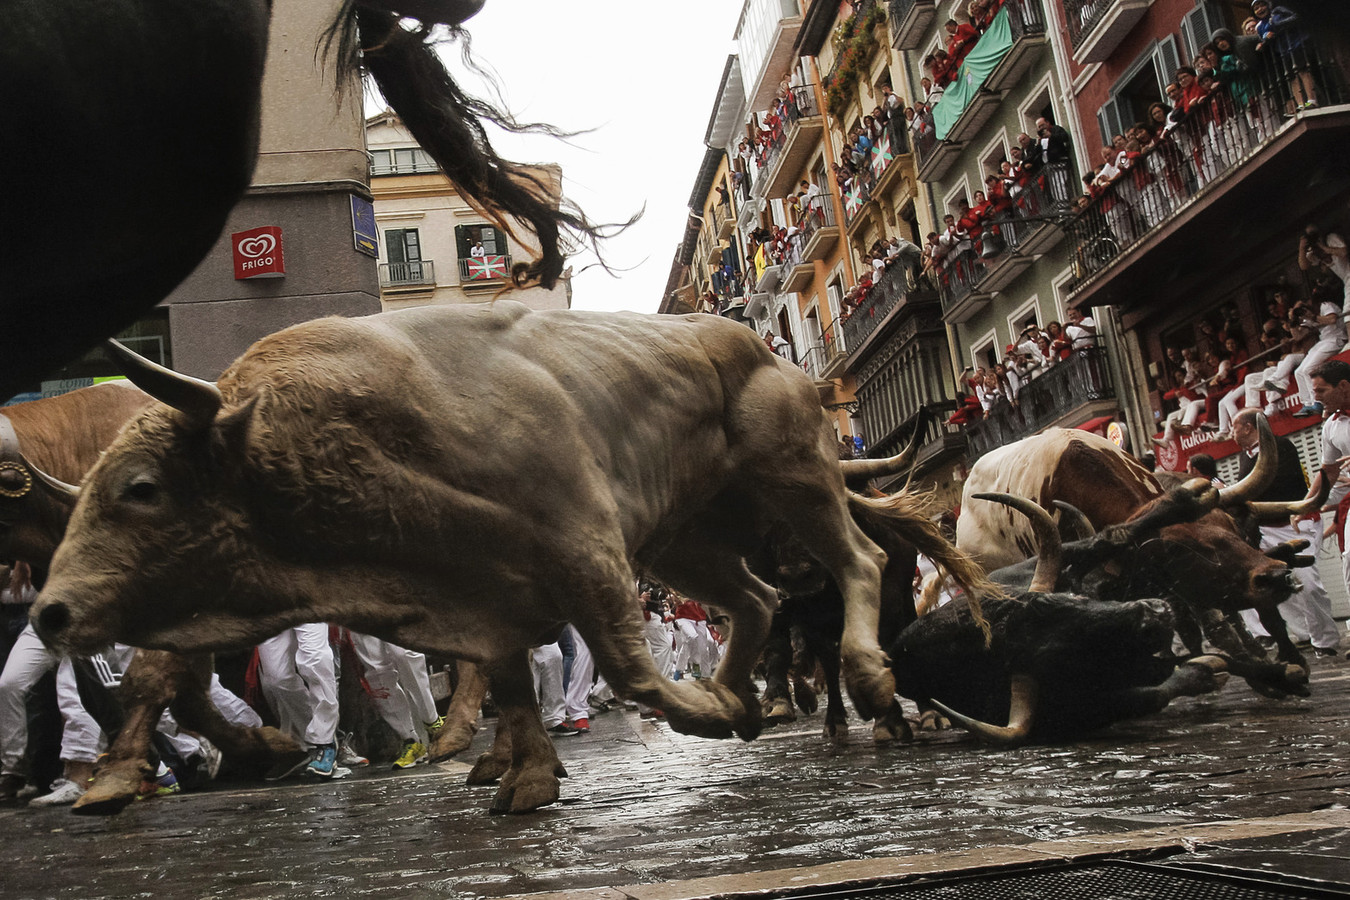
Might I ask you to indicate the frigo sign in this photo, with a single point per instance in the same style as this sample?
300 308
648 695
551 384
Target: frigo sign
258 253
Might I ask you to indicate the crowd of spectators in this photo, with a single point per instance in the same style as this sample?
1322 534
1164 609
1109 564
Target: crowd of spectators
1218 107
1035 352
1218 371
1028 183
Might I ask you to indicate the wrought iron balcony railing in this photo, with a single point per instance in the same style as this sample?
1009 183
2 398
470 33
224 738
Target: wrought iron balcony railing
1212 142
407 274
1049 397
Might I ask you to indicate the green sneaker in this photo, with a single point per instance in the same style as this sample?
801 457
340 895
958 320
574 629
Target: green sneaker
414 752
433 727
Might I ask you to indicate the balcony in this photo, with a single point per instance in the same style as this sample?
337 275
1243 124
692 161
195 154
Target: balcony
957 277
415 274
938 442
762 63
768 279
935 158
819 231
797 273
799 133
1074 389
724 223
1096 27
894 143
486 269
909 20
1026 21
971 100
856 198
1155 226
892 290
836 350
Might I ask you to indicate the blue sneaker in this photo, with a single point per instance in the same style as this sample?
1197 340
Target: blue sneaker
1309 409
324 761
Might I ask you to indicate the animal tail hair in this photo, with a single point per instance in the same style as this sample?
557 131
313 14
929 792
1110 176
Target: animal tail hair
449 125
910 515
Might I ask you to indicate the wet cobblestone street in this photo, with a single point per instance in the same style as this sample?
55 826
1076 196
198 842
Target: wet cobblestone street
644 806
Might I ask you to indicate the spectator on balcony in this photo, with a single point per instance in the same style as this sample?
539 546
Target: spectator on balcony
1081 330
960 38
1281 31
941 68
932 92
1045 356
991 392
890 101
1008 377
1235 67
780 346
872 129
954 239
982 14
1225 378
809 191
722 195
1059 341
477 251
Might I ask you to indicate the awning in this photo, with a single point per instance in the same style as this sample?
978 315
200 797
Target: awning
1098 424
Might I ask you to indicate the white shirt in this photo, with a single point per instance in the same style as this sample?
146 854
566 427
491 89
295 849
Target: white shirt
1335 444
1082 333
1339 265
1335 332
478 252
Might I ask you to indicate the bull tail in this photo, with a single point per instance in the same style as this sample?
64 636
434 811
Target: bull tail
449 125
909 514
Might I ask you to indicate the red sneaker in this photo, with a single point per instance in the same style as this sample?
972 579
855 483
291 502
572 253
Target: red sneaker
582 725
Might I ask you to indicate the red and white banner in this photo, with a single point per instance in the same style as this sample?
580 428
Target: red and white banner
257 253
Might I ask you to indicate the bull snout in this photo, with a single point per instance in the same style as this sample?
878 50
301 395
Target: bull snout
1277 582
51 620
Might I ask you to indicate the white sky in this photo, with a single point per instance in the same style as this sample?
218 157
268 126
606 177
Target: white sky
643 79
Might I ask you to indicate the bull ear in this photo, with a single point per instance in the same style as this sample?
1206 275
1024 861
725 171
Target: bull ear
198 400
234 425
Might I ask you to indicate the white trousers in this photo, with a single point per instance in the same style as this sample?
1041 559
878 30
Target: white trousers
1307 613
694 647
547 664
1320 353
299 680
659 642
81 738
403 699
579 685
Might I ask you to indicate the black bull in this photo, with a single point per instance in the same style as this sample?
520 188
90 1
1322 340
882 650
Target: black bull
1055 665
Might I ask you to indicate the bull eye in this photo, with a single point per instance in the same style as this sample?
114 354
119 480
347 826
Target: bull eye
142 491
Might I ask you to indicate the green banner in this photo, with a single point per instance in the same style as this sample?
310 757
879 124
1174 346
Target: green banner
983 58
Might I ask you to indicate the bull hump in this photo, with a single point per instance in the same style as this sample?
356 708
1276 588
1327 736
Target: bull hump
1099 478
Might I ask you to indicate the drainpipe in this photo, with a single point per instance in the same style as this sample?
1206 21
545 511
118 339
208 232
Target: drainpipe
1125 365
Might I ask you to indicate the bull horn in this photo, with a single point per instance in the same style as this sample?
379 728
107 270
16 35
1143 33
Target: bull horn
1262 475
199 400
1071 517
1283 509
856 470
57 485
1021 714
1047 539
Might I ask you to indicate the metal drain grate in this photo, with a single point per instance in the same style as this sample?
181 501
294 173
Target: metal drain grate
1100 881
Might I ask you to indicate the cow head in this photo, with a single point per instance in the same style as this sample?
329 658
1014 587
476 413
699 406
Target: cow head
33 506
167 491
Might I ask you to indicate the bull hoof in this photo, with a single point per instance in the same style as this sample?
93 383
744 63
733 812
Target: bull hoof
807 699
835 730
1202 675
932 720
525 791
449 741
779 712
870 687
488 769
107 805
892 729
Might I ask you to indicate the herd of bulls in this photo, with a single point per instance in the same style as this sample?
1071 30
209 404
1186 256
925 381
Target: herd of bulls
351 471
463 481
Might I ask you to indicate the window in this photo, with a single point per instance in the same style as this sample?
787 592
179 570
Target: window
1140 85
1198 24
403 249
401 161
494 240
